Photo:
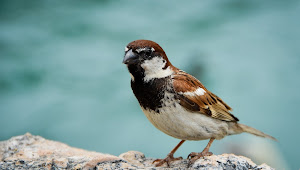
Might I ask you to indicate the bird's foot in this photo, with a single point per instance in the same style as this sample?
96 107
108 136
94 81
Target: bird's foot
194 156
170 158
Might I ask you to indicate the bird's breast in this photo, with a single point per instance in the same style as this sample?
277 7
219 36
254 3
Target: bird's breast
180 123
161 106
150 94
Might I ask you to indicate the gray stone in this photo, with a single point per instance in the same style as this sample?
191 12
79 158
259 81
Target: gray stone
34 152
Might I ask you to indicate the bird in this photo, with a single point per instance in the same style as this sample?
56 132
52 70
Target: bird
177 103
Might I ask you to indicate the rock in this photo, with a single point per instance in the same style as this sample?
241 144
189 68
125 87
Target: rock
34 152
28 151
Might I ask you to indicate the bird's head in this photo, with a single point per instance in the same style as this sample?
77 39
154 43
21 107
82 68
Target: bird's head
146 60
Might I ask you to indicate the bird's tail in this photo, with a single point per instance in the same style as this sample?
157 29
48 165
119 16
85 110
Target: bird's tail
248 129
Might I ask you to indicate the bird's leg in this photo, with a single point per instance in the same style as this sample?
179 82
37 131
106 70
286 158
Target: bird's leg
169 157
195 156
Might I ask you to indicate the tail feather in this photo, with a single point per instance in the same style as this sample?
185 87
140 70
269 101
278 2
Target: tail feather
253 131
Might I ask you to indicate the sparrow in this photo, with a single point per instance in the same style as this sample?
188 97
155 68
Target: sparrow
177 103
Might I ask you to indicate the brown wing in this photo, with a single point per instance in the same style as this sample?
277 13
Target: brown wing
195 97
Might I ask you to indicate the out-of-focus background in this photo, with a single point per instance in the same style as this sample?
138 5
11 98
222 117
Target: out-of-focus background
62 77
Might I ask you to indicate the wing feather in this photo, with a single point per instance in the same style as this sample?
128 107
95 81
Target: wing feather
195 97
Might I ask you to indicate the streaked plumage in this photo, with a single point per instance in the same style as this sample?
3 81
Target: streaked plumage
177 103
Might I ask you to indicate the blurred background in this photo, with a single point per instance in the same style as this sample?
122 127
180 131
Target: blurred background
62 77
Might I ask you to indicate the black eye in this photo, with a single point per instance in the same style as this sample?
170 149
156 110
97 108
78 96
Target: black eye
148 51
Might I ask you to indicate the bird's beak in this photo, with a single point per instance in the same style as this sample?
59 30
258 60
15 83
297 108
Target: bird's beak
130 57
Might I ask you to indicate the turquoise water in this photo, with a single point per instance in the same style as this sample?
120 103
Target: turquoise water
62 77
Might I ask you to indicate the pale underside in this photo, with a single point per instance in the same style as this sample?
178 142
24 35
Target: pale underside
180 123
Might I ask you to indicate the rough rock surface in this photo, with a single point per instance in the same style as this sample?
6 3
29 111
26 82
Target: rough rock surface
34 152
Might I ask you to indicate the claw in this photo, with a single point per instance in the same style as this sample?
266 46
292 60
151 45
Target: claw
192 154
169 157
167 160
195 156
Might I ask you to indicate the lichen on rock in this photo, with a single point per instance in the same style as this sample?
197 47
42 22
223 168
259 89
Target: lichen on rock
34 152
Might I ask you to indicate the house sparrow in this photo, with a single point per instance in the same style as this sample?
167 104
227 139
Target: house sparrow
177 103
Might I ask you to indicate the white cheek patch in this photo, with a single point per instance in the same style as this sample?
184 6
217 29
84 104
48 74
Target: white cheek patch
198 92
154 69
